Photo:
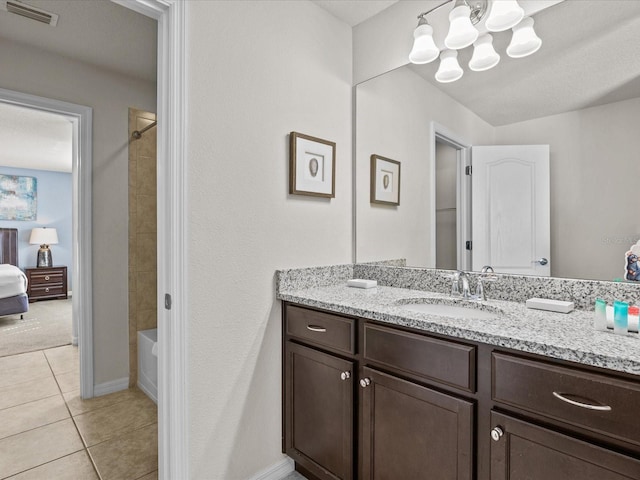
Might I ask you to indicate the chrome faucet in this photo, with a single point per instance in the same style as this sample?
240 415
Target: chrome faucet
461 285
486 275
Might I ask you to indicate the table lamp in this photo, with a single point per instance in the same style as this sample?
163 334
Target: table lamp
44 237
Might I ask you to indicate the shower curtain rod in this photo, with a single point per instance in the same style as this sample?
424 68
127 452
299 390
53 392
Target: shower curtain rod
138 133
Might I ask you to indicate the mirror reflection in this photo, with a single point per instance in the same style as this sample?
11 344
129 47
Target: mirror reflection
579 95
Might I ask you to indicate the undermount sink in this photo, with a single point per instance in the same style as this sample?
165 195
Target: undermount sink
459 310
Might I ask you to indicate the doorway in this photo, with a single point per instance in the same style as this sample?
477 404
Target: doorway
81 118
450 200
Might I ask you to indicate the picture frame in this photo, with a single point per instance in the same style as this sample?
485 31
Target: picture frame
312 166
385 180
18 198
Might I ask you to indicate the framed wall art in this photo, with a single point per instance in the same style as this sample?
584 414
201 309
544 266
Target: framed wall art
385 180
18 197
312 166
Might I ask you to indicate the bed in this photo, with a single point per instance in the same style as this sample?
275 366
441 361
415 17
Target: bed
13 282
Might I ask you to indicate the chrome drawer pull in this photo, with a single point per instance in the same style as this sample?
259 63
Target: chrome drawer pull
315 328
602 408
46 278
46 289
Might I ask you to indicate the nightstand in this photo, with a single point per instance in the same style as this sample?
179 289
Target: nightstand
46 283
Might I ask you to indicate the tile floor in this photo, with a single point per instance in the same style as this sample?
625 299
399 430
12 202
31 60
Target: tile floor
48 432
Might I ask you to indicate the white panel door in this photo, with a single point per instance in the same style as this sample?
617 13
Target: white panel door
511 209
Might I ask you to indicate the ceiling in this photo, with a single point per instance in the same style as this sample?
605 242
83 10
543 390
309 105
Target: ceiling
588 58
35 139
97 32
354 12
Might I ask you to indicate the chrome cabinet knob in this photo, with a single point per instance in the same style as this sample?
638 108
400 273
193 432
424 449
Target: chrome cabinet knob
46 289
345 375
496 434
542 261
47 278
365 382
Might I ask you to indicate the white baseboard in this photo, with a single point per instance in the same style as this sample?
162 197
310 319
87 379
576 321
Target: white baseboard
276 471
150 393
111 387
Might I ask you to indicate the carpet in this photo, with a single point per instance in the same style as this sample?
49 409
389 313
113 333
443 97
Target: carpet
47 324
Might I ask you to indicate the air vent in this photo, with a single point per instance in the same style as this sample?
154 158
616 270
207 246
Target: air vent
29 11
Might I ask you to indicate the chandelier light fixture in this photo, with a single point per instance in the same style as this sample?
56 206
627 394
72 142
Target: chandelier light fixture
500 15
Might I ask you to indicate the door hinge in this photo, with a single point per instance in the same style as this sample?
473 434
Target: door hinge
167 301
467 170
468 244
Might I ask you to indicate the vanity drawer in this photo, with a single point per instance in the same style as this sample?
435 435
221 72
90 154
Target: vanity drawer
446 362
323 329
599 403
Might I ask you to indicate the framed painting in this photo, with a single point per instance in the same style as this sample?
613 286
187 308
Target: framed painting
18 198
385 180
312 166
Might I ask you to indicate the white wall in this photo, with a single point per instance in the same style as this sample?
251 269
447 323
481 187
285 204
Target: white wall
32 71
256 71
393 119
594 185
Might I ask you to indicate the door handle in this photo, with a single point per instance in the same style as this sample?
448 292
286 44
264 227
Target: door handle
542 261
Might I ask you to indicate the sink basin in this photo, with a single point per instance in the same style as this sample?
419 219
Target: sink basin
459 310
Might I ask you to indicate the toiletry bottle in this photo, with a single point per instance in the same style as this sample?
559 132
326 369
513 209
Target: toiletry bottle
600 315
620 317
634 313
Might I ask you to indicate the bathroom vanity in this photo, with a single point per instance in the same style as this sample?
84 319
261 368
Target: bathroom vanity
373 388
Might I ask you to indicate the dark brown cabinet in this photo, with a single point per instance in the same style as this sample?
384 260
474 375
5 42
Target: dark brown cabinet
371 401
319 422
524 451
405 430
410 431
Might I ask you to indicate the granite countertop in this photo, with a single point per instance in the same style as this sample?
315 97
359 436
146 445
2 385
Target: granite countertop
563 336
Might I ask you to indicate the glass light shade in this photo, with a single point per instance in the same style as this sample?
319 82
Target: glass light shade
462 33
424 48
450 69
504 15
524 40
43 236
484 55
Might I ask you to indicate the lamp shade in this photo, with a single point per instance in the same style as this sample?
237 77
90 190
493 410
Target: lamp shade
450 69
462 33
524 41
504 15
484 55
43 236
424 48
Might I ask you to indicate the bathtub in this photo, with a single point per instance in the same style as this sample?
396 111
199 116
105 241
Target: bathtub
148 363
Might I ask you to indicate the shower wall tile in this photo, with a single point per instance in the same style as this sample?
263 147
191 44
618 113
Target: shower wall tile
146 174
146 213
142 233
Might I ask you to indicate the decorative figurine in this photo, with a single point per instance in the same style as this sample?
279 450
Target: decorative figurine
633 268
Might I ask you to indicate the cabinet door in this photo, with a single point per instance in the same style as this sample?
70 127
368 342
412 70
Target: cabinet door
319 411
412 432
524 451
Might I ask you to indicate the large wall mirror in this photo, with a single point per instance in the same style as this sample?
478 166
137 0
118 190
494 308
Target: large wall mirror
579 94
